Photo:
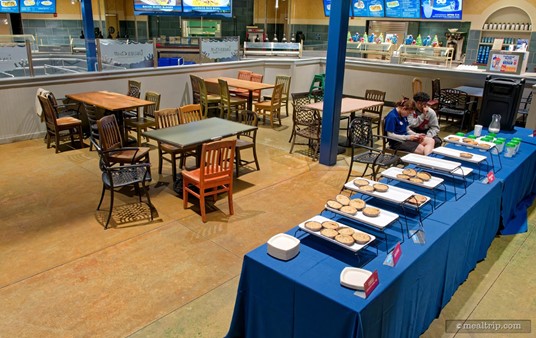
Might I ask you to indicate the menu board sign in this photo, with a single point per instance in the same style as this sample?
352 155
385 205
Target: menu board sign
203 7
9 6
368 8
327 8
406 9
158 6
38 6
442 9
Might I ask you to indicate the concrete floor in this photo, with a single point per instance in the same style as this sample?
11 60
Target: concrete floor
62 275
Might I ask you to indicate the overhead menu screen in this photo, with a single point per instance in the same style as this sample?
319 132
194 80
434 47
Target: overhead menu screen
204 7
10 6
368 8
442 9
327 8
404 9
38 6
157 6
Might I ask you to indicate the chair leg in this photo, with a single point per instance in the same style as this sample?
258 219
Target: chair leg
160 160
237 162
48 140
184 194
57 138
202 204
81 136
111 209
255 158
138 136
230 200
149 203
315 155
174 165
293 136
101 197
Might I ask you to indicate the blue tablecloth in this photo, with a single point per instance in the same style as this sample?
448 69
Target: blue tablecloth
303 297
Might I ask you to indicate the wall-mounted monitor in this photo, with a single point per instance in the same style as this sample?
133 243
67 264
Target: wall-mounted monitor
207 7
158 7
10 6
368 8
38 6
327 8
403 9
442 9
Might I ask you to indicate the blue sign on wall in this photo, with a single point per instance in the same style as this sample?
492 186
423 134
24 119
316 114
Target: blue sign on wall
157 6
442 9
404 9
368 8
38 6
10 6
216 7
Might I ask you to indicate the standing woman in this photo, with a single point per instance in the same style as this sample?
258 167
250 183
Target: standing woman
402 137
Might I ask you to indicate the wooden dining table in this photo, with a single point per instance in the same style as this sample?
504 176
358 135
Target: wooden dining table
112 103
250 86
350 106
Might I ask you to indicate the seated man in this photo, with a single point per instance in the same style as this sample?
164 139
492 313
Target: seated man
424 119
402 137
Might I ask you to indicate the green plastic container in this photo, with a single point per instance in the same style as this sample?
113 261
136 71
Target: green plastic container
460 134
510 149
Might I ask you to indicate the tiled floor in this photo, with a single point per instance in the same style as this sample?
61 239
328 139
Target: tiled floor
62 275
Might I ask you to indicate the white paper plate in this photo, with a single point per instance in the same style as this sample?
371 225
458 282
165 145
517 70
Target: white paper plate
283 246
455 153
393 194
430 184
354 278
355 247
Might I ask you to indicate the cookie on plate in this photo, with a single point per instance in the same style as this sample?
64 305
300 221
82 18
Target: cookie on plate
380 187
330 225
402 177
453 138
334 204
359 182
345 239
371 212
416 180
417 199
366 188
313 225
410 172
358 203
484 145
330 233
361 237
349 210
466 155
342 199
423 175
346 231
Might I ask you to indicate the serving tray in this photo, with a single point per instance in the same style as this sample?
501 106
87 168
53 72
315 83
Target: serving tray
393 194
439 164
455 153
354 247
430 184
384 219
460 142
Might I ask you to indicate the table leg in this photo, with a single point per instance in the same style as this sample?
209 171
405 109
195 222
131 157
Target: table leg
250 100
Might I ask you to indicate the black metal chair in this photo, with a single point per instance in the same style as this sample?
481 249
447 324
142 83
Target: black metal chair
524 107
436 94
115 177
363 150
298 101
455 103
306 123
92 115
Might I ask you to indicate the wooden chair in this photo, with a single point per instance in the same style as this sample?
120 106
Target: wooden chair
247 140
117 177
110 139
57 127
416 85
196 95
214 175
285 80
190 113
229 103
207 101
148 120
64 109
272 107
242 75
166 118
375 113
256 94
306 123
92 115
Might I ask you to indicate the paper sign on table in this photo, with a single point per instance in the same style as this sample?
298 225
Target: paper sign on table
491 176
393 257
370 284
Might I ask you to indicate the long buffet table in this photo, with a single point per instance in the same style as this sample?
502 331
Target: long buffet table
303 297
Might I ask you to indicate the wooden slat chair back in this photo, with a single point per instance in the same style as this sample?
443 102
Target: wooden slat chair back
374 112
190 113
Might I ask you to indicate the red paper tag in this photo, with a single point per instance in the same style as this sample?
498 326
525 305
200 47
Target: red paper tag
371 283
397 252
491 177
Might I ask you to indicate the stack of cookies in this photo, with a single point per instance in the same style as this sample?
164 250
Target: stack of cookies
346 205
